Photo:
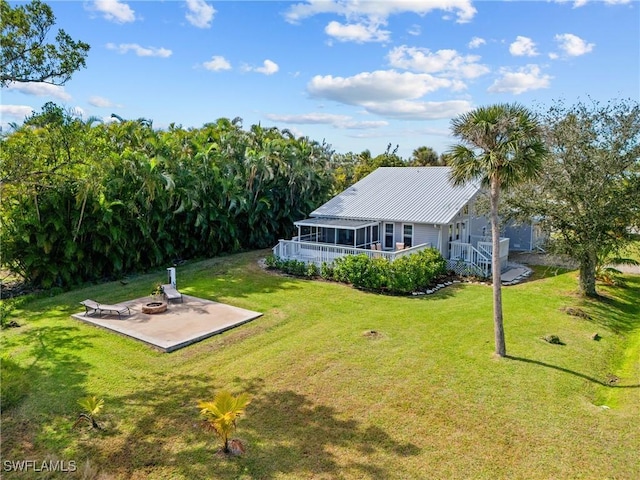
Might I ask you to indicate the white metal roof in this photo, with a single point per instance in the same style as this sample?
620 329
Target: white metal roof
401 194
344 223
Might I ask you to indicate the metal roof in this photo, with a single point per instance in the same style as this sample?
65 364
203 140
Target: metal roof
401 194
334 223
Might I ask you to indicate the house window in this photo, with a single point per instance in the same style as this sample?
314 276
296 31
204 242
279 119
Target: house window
327 235
388 236
375 234
407 235
305 232
345 237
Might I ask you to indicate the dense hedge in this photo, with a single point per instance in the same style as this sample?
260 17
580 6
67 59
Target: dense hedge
402 276
86 200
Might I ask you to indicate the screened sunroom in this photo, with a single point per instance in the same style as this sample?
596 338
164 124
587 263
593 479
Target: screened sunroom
339 231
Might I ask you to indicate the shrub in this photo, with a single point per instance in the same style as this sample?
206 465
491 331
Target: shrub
292 267
404 275
271 261
312 270
326 271
6 310
352 269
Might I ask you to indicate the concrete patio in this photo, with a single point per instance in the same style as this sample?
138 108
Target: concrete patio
182 324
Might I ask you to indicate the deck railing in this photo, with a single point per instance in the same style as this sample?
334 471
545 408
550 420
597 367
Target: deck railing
479 255
319 253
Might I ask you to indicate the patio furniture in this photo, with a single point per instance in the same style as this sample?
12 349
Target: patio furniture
92 307
171 292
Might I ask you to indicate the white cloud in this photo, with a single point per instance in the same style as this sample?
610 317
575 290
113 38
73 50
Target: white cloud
582 3
139 50
337 121
415 30
523 47
217 63
520 81
572 45
200 13
40 89
406 110
576 3
379 10
268 68
357 32
17 112
115 11
476 42
101 102
378 86
446 62
364 19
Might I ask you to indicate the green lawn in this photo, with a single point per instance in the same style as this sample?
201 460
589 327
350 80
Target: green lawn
423 398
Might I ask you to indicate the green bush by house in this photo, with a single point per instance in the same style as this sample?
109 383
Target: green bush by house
402 276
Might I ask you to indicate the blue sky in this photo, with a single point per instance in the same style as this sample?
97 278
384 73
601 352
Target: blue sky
359 75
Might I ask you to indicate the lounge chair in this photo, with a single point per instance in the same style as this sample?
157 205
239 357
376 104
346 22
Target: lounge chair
94 308
171 292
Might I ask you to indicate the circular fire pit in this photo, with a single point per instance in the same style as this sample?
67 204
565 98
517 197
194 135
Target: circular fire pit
154 307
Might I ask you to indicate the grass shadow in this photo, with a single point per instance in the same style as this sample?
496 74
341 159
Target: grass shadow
289 434
285 432
572 372
54 376
617 309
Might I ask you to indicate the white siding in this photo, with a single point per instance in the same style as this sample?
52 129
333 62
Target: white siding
425 234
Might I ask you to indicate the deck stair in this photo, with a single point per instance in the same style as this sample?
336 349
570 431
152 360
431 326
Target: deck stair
465 259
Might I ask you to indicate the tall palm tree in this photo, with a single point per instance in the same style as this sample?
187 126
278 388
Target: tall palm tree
425 157
501 145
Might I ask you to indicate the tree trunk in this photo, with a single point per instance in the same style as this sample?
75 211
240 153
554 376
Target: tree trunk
501 347
587 282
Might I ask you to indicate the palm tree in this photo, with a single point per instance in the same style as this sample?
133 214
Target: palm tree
222 414
501 146
425 157
91 408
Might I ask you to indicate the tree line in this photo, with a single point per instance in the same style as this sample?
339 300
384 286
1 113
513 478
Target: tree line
84 200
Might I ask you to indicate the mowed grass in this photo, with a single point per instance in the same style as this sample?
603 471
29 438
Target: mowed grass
421 398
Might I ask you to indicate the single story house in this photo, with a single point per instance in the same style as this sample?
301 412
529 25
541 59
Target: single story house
396 211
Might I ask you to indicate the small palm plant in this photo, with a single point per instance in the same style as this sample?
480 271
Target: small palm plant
222 414
157 290
91 406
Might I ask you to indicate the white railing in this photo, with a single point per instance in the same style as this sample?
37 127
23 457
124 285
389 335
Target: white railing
319 253
487 249
480 255
467 253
